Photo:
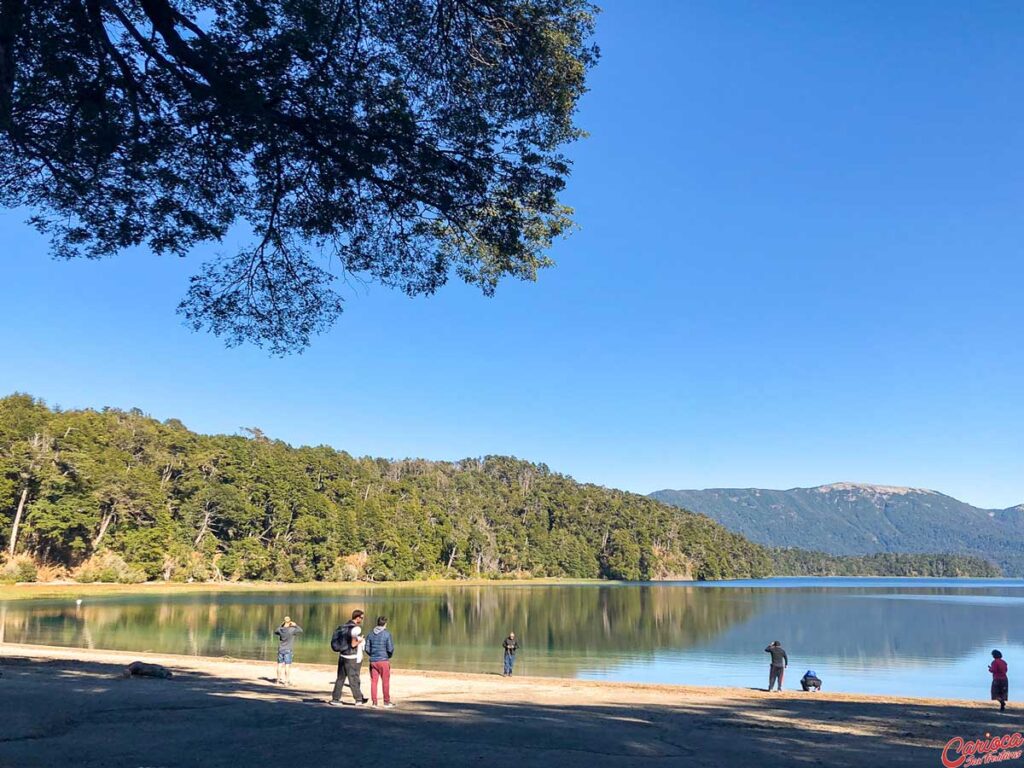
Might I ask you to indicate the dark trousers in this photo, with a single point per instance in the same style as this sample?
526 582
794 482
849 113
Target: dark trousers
348 669
510 659
775 673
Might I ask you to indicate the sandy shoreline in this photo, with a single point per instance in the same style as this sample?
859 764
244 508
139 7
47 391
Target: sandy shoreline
73 708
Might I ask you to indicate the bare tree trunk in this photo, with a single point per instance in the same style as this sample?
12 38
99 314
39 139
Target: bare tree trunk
17 520
104 524
451 557
202 530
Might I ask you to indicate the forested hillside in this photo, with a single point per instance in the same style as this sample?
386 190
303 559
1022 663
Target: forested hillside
801 562
862 519
118 495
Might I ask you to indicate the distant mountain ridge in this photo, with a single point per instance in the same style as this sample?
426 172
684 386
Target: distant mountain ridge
862 519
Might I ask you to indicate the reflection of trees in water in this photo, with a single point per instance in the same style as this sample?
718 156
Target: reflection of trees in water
444 627
564 629
869 624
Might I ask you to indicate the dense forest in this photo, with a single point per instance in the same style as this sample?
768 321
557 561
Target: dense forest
801 562
116 495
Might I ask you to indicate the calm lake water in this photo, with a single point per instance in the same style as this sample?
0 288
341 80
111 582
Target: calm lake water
923 637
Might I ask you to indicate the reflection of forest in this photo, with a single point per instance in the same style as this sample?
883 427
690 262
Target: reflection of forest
561 627
565 630
868 625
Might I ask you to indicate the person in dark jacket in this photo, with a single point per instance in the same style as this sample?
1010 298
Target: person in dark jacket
286 635
380 648
511 645
779 663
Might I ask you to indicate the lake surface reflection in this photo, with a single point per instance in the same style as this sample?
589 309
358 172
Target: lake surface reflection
926 637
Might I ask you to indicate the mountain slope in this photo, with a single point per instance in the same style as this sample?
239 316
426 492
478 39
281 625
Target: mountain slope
861 519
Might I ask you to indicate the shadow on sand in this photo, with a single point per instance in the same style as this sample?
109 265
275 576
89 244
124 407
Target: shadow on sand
85 714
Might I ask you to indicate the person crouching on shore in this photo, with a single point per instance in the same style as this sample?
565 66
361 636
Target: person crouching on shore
1000 683
810 681
286 634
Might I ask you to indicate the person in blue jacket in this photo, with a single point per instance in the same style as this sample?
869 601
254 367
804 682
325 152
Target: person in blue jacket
810 681
380 647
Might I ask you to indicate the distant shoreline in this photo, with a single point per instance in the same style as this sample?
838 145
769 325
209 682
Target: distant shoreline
57 589
42 589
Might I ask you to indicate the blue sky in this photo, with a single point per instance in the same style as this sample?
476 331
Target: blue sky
799 262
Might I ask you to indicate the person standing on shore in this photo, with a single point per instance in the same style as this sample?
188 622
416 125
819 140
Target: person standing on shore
511 645
347 641
1000 682
286 634
380 647
779 663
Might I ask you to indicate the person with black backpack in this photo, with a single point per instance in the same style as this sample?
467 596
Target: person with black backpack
347 642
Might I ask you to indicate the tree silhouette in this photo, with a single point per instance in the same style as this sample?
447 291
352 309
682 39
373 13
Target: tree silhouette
389 141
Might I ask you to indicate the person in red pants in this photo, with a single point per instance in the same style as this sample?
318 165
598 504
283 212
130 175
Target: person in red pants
380 647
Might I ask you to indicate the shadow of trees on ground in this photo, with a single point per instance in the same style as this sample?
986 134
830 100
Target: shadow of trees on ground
85 714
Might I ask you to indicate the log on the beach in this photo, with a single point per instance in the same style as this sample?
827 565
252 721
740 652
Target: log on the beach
142 669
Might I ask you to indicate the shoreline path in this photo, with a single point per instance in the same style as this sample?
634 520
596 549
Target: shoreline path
70 706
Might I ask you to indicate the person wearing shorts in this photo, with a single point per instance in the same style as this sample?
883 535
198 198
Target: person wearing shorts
286 634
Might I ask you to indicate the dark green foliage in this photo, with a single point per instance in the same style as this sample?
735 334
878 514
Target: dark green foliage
799 562
177 505
126 497
399 141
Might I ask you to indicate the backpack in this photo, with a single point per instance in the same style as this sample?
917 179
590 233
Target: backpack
341 640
